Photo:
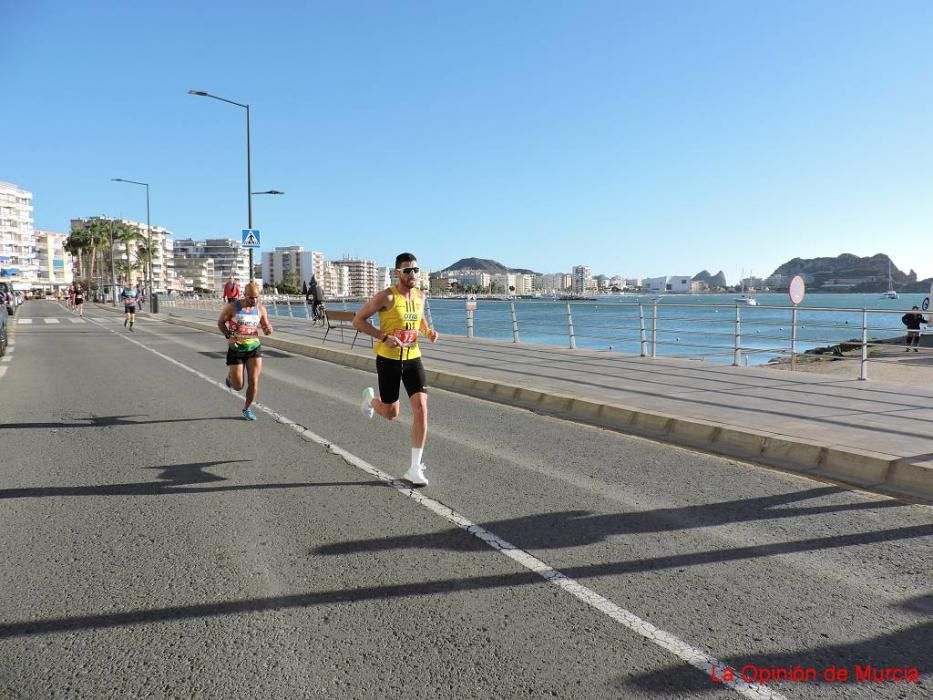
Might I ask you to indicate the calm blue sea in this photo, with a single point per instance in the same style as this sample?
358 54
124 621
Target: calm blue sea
687 325
700 326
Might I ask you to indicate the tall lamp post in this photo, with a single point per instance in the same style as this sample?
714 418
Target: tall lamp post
249 166
113 274
152 306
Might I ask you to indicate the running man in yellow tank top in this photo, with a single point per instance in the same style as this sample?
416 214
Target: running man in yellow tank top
398 356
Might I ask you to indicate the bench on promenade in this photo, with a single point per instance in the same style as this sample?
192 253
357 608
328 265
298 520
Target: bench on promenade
341 320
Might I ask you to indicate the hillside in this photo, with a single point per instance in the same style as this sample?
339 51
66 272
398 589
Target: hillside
850 273
491 266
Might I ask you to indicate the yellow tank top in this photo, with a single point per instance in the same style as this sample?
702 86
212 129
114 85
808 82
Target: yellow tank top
403 320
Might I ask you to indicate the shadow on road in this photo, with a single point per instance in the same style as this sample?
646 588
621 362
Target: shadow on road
174 480
575 527
111 421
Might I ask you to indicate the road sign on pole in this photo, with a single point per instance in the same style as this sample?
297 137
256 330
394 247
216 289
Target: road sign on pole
251 238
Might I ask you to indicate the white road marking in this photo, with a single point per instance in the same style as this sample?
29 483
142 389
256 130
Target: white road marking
700 660
24 321
6 358
52 320
78 320
3 369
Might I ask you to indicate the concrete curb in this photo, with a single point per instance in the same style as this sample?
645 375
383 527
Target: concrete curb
874 471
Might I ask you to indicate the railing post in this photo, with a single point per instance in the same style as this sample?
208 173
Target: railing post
427 312
307 315
737 351
275 306
644 334
793 338
288 304
469 320
573 339
515 338
863 371
654 330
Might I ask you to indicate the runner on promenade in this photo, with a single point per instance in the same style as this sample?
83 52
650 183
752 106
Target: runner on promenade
240 322
398 357
79 300
130 296
231 290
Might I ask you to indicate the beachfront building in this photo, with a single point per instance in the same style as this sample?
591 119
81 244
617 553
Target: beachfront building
230 258
291 265
195 275
363 277
676 284
19 264
553 282
132 251
55 271
582 276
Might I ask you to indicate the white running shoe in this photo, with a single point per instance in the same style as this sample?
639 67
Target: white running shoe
366 406
415 475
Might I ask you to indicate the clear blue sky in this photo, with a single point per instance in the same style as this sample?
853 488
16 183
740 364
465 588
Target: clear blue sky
640 138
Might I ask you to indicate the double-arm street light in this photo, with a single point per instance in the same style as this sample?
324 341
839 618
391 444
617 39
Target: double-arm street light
152 306
249 167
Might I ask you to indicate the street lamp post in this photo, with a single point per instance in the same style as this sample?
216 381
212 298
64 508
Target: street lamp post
249 166
113 274
152 306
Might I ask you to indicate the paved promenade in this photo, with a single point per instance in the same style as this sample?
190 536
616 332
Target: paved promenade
871 434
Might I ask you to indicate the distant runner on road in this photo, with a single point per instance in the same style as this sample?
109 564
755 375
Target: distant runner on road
398 357
79 300
240 322
130 296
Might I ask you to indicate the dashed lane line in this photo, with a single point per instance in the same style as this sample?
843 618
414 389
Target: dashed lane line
698 659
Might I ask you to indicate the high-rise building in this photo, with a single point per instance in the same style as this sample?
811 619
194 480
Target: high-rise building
130 252
292 264
581 278
55 271
363 277
19 263
230 258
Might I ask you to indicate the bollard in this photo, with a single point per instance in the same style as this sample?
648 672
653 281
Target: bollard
737 352
863 371
155 303
644 334
515 338
573 339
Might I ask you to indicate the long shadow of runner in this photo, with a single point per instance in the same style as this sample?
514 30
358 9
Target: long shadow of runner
175 479
111 421
576 527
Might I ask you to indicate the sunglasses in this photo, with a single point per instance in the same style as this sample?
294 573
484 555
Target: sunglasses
409 270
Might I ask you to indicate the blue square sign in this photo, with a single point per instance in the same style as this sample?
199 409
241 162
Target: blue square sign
251 238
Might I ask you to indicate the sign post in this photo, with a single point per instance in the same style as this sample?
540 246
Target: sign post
251 240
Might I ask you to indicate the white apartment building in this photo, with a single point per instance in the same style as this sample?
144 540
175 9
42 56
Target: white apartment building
55 270
582 274
336 280
230 258
19 263
195 274
292 263
679 284
163 265
363 277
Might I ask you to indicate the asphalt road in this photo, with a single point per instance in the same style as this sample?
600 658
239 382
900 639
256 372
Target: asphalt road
155 545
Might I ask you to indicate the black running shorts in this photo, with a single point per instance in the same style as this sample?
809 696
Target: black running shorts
240 358
392 372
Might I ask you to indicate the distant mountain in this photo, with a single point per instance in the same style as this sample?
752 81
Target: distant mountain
850 273
713 281
491 266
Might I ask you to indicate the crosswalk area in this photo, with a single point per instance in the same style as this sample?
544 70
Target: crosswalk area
50 320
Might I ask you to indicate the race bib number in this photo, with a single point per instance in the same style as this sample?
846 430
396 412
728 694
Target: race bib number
407 337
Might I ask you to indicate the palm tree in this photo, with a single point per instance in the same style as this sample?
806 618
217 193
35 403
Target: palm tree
126 235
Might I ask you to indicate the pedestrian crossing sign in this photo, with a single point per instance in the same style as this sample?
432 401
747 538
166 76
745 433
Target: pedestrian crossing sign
251 238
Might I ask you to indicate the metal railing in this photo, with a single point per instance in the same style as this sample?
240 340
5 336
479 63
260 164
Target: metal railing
741 335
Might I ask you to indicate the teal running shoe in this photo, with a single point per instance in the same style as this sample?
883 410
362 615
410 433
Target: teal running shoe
248 414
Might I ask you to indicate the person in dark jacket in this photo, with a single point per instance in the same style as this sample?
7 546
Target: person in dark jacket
912 319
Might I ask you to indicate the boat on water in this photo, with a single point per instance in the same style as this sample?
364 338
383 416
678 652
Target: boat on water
747 297
891 293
